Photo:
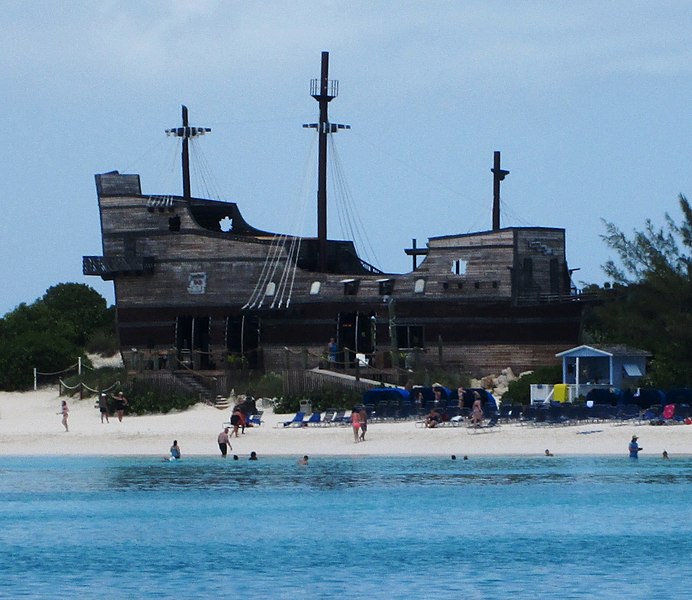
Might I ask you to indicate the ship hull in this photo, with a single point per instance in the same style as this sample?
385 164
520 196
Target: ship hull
195 283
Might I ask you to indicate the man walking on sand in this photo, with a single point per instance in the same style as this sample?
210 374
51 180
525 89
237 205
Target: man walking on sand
224 442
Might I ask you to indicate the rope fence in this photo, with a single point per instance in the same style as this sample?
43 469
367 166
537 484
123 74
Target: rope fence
78 369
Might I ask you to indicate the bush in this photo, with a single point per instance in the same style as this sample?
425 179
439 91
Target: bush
270 385
147 399
103 341
519 391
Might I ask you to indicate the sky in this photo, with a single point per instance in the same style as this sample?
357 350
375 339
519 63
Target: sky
588 102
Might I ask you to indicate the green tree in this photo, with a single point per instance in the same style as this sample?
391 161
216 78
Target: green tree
50 333
80 305
651 301
30 336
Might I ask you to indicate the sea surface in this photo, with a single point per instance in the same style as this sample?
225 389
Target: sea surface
204 527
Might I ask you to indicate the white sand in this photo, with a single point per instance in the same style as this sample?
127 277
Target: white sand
30 425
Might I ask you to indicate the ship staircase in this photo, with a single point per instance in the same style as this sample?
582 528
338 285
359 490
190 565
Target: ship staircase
201 387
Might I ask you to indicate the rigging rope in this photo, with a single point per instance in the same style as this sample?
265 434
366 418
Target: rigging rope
345 202
282 257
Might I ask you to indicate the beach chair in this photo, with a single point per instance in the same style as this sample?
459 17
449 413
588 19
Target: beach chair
314 419
340 417
556 415
493 421
328 417
491 425
296 421
380 413
256 419
629 412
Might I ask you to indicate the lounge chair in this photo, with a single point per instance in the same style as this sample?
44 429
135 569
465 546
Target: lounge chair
296 421
256 419
315 419
328 417
491 425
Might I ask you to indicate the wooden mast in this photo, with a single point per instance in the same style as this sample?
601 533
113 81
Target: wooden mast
324 91
498 175
186 132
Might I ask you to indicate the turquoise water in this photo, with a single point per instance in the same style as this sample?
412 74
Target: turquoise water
496 527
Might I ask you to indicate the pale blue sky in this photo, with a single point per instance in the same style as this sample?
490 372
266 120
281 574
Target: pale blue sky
589 103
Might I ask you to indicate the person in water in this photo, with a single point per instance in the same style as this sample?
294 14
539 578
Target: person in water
175 450
224 442
634 447
304 460
253 455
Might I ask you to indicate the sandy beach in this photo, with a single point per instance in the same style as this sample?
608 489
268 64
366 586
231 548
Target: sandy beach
30 425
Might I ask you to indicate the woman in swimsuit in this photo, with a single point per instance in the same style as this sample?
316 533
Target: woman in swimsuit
64 411
477 410
355 423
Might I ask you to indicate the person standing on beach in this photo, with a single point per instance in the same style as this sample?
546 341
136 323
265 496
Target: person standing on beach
477 410
460 395
363 423
235 420
634 447
120 404
64 411
103 407
224 442
355 424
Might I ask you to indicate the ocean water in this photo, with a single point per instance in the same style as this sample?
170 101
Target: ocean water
495 527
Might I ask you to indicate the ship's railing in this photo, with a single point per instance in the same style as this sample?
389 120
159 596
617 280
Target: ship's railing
108 266
371 268
552 298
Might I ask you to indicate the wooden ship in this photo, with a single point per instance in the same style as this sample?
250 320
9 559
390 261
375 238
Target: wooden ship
198 286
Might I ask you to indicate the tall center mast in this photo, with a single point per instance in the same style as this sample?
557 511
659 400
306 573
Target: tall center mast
324 91
186 132
499 175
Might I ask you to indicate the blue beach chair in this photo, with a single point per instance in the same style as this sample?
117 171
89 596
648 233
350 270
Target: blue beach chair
296 421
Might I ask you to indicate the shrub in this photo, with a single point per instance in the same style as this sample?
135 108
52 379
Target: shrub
102 341
270 385
519 391
144 398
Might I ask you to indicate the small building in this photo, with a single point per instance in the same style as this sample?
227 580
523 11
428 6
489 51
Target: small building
616 366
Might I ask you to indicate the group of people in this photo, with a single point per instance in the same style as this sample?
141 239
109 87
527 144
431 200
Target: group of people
435 417
224 442
359 424
121 404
